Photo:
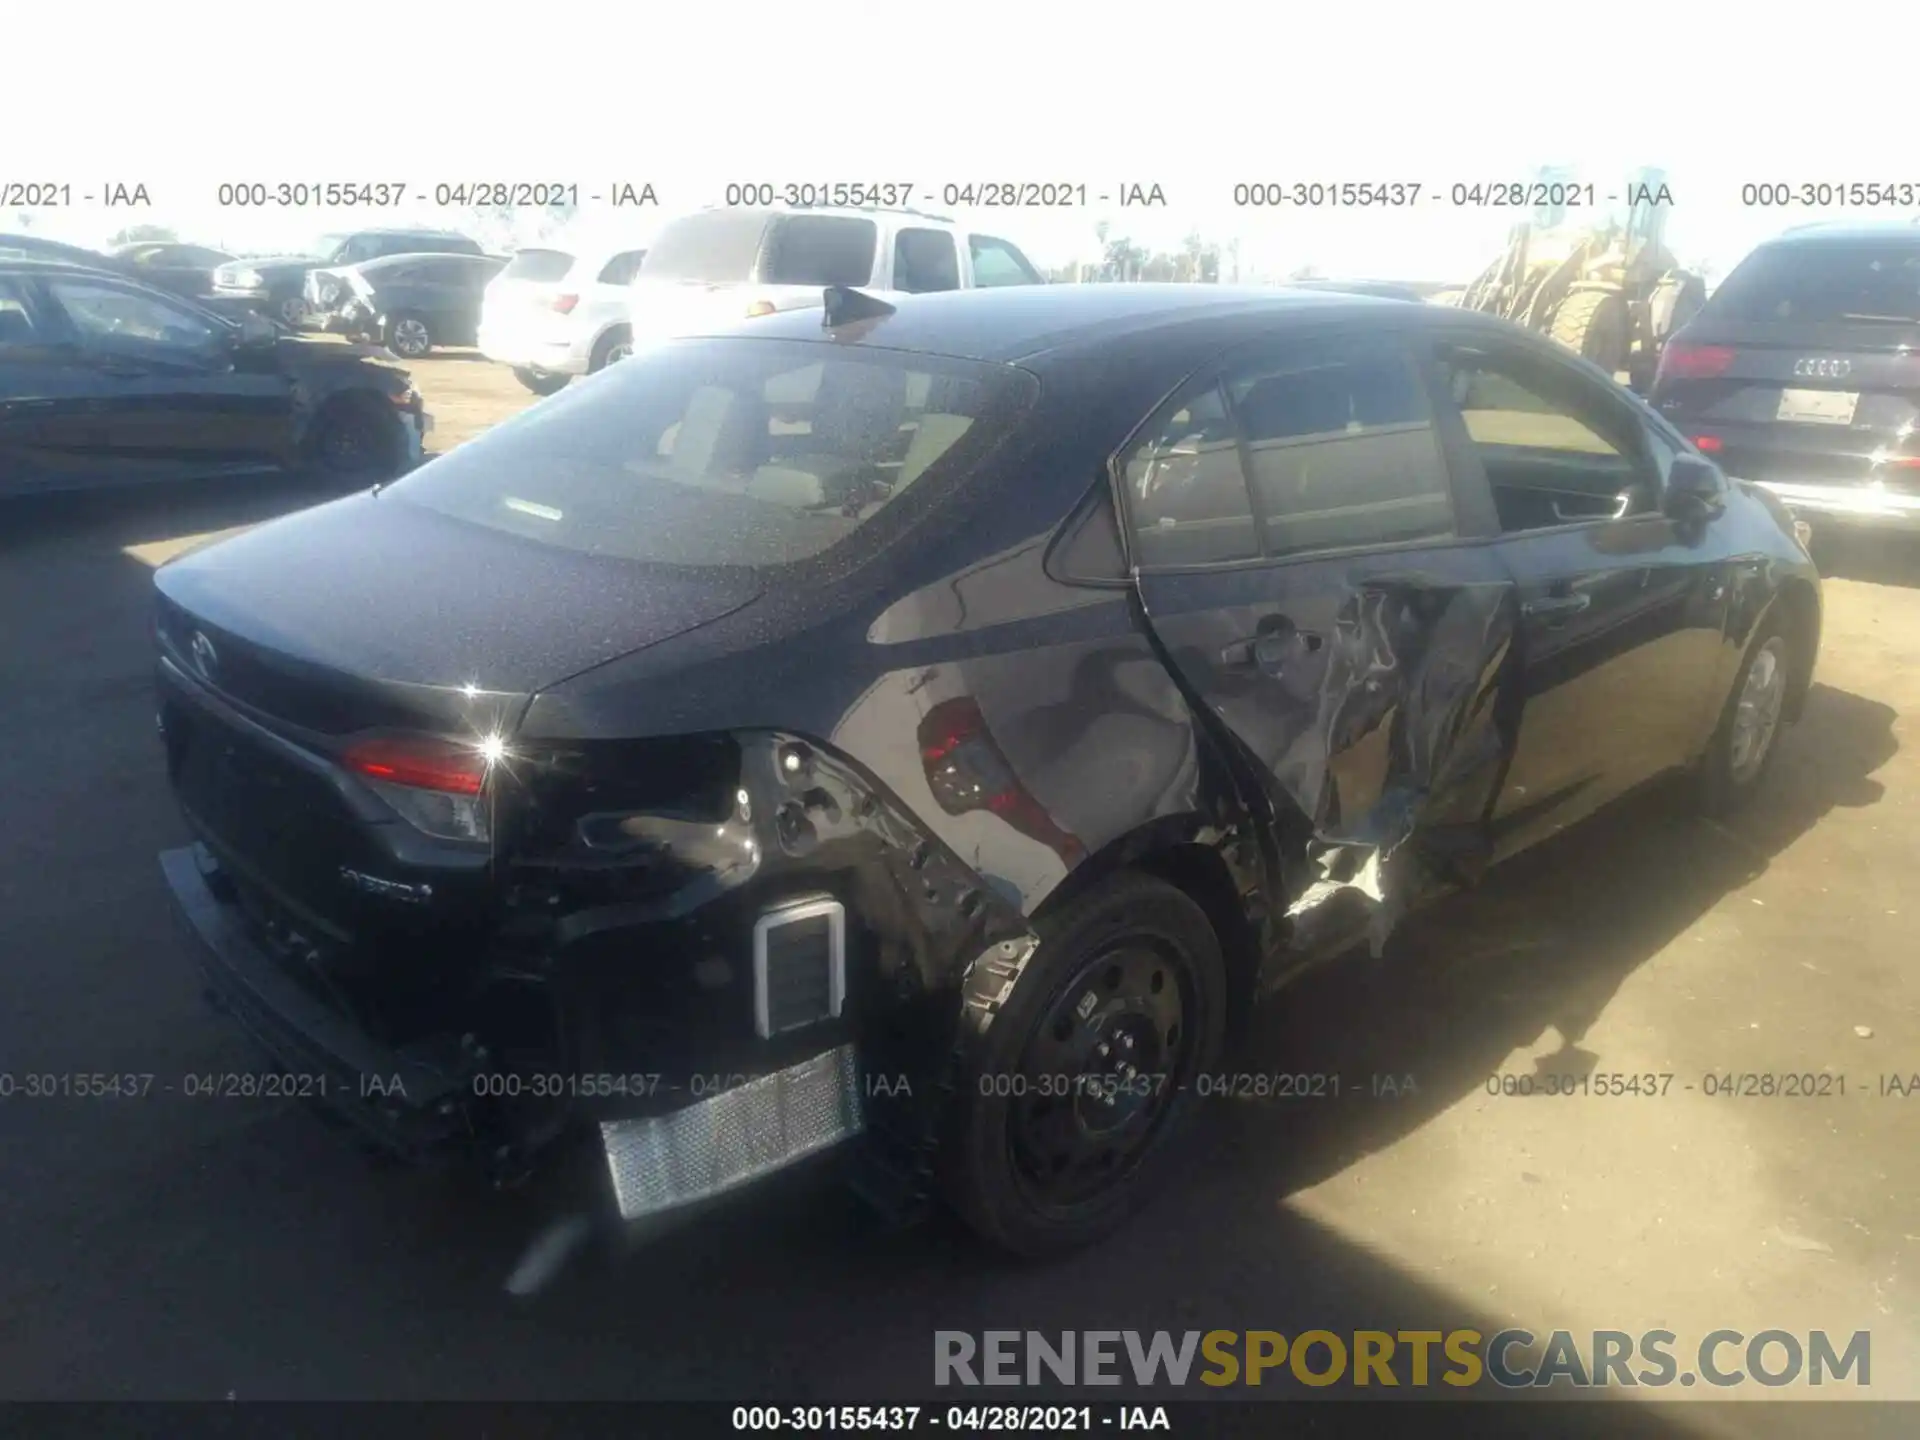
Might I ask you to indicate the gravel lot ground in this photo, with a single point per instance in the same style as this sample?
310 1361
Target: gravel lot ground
179 1248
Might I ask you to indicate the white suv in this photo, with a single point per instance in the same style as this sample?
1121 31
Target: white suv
556 313
720 265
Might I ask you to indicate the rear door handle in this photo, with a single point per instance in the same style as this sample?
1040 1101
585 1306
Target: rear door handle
1556 607
1270 650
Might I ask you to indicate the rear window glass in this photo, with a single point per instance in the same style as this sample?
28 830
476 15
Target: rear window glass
727 452
820 250
1852 284
621 269
717 246
545 266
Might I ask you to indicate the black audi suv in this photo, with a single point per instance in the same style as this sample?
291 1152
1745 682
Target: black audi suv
1802 372
919 730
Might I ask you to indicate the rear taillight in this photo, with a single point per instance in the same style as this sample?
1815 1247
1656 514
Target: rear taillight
759 308
563 304
1693 362
1708 444
437 786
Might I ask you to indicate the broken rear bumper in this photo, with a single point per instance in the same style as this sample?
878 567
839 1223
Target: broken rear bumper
405 1101
416 1101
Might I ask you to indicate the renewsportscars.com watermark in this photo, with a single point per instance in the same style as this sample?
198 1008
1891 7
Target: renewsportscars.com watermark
1511 1359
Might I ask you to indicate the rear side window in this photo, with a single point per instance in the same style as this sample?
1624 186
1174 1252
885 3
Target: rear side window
725 452
621 269
541 266
925 261
999 262
820 250
719 247
1187 491
1342 451
1856 283
1314 449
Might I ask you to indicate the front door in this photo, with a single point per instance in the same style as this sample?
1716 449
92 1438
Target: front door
1621 608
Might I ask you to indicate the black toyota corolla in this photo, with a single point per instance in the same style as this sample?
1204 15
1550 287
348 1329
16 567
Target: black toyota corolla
920 730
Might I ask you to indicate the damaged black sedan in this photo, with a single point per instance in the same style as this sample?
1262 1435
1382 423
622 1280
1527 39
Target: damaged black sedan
919 732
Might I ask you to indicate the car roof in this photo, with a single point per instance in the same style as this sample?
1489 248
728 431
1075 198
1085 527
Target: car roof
833 212
1014 323
438 234
1846 232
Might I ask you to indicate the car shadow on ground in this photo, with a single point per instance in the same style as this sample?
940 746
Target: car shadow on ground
1541 946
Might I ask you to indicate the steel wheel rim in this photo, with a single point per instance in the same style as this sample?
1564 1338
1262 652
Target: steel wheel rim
1756 713
293 311
617 353
410 337
1098 1074
346 446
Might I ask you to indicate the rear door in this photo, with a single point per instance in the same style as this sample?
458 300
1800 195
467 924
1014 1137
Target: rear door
1622 608
1804 366
1304 561
163 397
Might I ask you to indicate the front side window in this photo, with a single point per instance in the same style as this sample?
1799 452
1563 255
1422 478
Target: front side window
728 452
124 321
1554 451
999 262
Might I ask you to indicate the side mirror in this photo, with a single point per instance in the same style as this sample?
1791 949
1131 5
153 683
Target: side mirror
255 331
1695 489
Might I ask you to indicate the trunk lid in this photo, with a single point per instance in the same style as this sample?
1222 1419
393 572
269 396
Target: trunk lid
370 613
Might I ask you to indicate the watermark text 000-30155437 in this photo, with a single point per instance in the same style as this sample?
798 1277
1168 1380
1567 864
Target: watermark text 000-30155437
1512 1359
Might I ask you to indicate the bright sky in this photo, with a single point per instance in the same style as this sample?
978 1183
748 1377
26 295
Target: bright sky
191 95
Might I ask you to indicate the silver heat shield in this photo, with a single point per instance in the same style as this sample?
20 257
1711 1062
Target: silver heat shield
735 1137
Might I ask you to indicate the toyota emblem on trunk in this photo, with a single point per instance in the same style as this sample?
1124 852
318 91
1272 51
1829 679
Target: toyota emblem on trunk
1820 368
206 659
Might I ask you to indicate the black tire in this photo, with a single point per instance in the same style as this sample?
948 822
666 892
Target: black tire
409 336
1730 775
1593 324
539 381
356 441
291 312
611 347
992 1171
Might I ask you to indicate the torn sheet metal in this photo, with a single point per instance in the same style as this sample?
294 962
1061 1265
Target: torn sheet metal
1399 770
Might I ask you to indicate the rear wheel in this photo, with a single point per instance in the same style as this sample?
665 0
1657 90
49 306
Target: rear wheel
1746 740
612 348
409 336
539 381
1593 324
1084 1088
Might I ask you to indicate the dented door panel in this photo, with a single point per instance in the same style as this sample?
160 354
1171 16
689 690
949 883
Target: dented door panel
1371 696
